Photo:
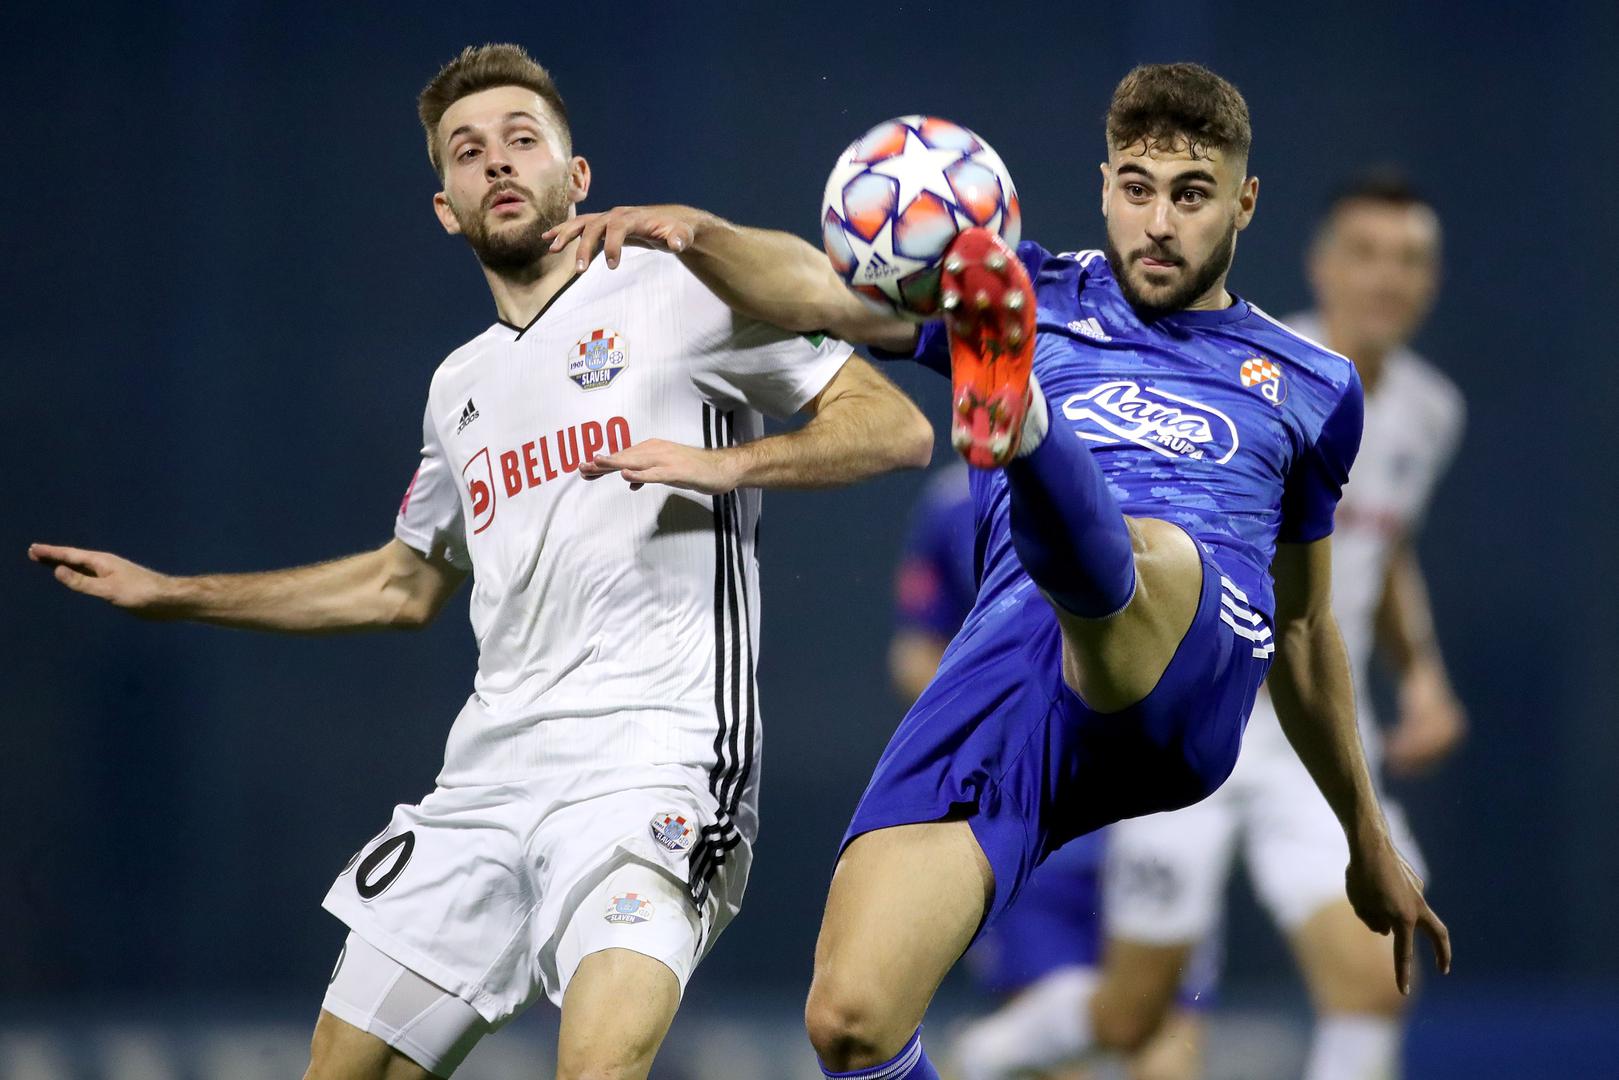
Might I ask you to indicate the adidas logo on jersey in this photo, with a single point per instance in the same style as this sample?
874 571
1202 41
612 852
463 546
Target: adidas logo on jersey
468 415
1091 329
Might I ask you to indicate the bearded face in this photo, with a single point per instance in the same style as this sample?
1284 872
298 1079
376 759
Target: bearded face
1156 292
506 226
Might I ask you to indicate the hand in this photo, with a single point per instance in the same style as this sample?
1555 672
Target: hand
658 461
1432 722
667 228
97 573
1387 896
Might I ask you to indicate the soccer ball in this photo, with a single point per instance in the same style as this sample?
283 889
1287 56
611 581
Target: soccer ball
897 197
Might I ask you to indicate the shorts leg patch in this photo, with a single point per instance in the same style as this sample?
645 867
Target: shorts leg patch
634 907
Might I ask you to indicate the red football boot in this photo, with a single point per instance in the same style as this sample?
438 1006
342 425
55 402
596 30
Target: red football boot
988 304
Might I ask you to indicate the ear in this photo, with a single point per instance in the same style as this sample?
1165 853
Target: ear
1107 182
1247 199
445 215
578 179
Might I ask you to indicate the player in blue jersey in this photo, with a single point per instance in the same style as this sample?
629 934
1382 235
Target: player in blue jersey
1041 958
1175 452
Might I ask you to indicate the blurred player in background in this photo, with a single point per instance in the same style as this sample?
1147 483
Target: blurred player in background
591 830
1041 957
1374 267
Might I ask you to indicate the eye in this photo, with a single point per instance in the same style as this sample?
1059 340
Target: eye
1194 196
525 140
466 153
1135 191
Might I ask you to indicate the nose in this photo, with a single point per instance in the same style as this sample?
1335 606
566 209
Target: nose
1160 225
496 164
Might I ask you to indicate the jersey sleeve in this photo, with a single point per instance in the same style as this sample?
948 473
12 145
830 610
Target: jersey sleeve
741 361
933 343
1313 487
430 517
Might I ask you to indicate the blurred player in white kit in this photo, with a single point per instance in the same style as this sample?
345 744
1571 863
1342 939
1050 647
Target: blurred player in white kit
591 832
1374 267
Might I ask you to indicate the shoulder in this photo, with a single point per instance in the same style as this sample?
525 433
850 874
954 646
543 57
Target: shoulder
1302 354
1423 386
467 356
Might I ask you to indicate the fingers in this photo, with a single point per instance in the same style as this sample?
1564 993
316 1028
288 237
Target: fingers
1439 934
561 235
54 555
88 584
1402 956
613 242
589 237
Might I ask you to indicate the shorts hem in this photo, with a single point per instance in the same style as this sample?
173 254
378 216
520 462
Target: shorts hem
407 1046
428 968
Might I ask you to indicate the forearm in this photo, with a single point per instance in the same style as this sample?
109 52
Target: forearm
367 591
868 429
1405 626
777 278
1310 686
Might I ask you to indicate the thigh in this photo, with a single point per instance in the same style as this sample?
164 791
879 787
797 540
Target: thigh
383 1021
341 1051
1348 968
615 1014
904 904
1115 662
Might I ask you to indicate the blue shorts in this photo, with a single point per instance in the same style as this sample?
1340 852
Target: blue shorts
1000 739
1056 922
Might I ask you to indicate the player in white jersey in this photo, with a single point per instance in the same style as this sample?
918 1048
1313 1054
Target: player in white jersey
1374 267
591 831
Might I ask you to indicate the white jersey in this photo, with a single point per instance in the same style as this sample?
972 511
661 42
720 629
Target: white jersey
614 626
1413 424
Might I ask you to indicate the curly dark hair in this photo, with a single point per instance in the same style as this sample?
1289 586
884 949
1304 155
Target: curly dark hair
1184 106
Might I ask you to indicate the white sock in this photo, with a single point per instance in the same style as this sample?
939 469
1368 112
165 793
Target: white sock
1354 1047
1045 1026
1036 422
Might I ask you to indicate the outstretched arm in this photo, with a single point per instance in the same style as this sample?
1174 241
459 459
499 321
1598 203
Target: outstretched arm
1432 721
860 425
1311 689
771 276
394 586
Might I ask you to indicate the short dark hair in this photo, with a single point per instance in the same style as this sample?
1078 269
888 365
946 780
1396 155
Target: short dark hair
1185 105
1386 184
484 67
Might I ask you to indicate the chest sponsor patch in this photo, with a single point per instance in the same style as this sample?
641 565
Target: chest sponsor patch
1165 423
1264 375
597 358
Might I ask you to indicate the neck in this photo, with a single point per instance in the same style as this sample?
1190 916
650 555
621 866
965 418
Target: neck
1216 299
521 295
1369 359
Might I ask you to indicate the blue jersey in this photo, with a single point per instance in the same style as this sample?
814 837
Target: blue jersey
1226 423
937 579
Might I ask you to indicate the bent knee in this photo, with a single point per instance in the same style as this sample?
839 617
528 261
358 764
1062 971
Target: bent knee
850 1028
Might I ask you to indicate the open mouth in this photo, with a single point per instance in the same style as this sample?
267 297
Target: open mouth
507 200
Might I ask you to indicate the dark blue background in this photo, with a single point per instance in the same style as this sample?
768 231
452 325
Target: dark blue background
224 294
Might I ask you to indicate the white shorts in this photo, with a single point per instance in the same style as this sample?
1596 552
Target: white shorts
496 892
1165 876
